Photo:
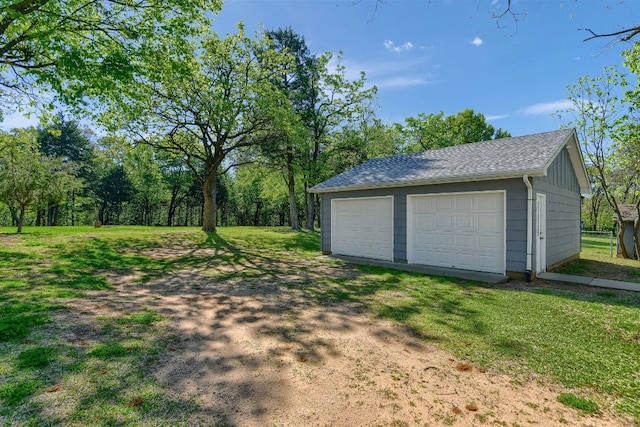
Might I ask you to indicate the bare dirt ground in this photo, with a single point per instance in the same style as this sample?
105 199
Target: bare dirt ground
260 352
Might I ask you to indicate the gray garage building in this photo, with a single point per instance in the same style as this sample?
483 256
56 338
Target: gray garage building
503 206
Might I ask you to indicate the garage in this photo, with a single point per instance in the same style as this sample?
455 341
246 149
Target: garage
460 230
469 207
363 227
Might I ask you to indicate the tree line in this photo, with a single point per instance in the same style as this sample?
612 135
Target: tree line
209 130
63 174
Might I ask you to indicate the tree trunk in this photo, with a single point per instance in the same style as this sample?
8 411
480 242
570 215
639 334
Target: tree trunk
21 218
313 173
171 212
621 230
101 212
52 214
256 215
209 191
621 246
291 182
311 211
73 208
636 228
15 219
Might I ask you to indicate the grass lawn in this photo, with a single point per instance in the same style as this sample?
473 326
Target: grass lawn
587 341
596 261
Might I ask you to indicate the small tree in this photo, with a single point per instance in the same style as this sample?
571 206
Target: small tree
600 119
28 177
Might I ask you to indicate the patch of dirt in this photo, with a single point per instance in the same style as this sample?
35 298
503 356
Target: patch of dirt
8 239
260 351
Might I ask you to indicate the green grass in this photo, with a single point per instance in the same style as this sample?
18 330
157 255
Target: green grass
36 358
17 393
146 318
587 342
596 261
574 401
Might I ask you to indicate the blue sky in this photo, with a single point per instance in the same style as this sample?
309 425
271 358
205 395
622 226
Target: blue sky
429 56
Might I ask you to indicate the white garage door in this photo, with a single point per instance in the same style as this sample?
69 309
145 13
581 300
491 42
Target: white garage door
463 231
362 227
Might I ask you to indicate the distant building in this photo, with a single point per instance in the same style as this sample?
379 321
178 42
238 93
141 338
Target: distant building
629 215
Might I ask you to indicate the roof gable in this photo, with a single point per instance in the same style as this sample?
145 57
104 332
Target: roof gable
487 160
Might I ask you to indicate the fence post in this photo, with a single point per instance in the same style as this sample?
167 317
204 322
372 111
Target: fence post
611 244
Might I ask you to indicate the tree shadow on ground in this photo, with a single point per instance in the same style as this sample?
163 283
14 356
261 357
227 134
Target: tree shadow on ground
248 328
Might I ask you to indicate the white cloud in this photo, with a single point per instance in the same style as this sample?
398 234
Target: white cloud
547 107
391 46
477 41
496 117
395 82
396 74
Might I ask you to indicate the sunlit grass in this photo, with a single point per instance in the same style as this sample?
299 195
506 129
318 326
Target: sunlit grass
596 260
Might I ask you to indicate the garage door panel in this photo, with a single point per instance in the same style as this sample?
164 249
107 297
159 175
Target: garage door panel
489 222
363 227
443 204
463 241
444 258
488 204
463 204
463 221
443 222
469 235
423 221
489 242
442 240
423 206
465 260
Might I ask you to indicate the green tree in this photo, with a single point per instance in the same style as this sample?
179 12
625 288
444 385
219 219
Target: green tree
288 146
28 177
631 131
66 140
178 180
602 123
432 131
82 47
113 189
149 191
363 138
330 101
207 108
468 126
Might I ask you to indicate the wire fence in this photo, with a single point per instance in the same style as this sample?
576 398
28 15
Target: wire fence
600 235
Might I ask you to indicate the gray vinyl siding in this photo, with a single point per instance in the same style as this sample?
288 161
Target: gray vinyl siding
516 214
563 209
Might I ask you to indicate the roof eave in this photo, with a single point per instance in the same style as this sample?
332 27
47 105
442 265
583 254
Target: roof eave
431 181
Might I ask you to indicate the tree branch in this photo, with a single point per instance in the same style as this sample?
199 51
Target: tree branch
627 34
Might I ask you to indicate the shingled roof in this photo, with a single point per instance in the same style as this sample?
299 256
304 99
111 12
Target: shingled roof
628 212
495 159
